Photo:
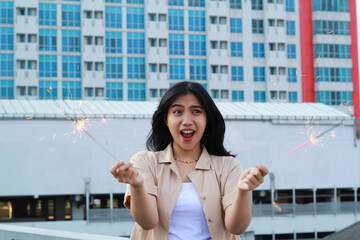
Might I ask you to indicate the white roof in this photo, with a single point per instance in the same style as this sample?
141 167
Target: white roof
58 109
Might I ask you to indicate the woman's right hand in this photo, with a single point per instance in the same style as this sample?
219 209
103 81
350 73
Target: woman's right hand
125 172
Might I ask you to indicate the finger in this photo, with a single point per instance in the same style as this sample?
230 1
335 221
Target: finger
256 173
263 169
115 167
125 166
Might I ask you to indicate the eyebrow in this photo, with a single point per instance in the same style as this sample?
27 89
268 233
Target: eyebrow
192 106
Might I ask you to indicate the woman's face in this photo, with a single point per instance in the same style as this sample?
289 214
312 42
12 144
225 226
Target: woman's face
186 120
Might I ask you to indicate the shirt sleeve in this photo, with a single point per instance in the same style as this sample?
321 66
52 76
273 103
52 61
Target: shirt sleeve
146 168
231 176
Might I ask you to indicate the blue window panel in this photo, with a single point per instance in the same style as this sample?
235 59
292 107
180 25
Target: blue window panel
334 97
136 68
47 14
136 42
71 41
113 41
113 1
197 45
258 50
237 73
136 91
331 5
177 69
176 44
135 1
237 96
290 27
47 40
112 17
235 4
114 91
333 74
259 96
135 18
291 51
71 66
197 21
257 4
176 2
197 69
6 89
48 89
196 3
236 49
71 90
290 5
236 25
114 67
331 27
259 74
292 75
332 50
7 65
47 65
6 12
6 38
293 97
176 19
257 26
70 15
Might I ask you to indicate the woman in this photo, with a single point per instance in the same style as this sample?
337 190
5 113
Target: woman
188 186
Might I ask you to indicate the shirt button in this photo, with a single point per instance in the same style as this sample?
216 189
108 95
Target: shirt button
203 197
210 220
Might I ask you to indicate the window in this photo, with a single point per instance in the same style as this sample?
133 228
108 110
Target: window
136 42
162 17
32 91
71 66
257 26
99 66
20 64
153 67
32 64
71 90
235 25
292 75
6 89
6 12
20 37
136 68
259 74
215 94
176 19
224 94
47 14
47 40
88 15
162 42
32 38
88 40
6 38
163 68
291 51
273 95
196 3
222 20
290 5
135 18
214 44
135 1
224 69
334 97
114 91
223 45
258 50
177 69
152 17
20 90
332 50
237 96
197 45
113 17
113 42
20 11
152 42
47 65
136 92
197 21
333 74
7 65
256 4
197 69
237 73
113 1
71 15
71 41
330 6
281 71
176 44
271 22
88 66
290 27
280 23
272 71
114 67
293 97
47 89
272 46
176 2
259 96
213 19
214 69
98 15
236 49
236 4
331 27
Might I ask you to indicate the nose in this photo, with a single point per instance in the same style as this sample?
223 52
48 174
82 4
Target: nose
187 119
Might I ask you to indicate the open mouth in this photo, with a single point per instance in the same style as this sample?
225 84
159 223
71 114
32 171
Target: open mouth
187 133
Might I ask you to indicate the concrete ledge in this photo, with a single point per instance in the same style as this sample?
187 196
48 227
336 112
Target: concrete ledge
12 232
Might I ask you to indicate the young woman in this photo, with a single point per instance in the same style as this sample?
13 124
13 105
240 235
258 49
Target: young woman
188 186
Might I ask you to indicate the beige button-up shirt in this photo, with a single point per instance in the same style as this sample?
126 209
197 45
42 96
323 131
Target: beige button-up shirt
215 179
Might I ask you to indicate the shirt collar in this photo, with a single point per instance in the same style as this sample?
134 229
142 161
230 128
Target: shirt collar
203 163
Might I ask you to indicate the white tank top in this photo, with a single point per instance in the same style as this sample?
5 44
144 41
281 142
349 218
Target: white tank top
188 219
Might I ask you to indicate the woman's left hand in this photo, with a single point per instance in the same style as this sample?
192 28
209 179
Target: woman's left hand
251 178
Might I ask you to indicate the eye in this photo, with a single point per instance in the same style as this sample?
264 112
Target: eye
196 111
177 112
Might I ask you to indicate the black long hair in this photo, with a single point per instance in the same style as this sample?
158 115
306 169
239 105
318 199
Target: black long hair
213 137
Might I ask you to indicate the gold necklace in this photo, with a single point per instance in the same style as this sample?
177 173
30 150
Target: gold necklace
191 161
